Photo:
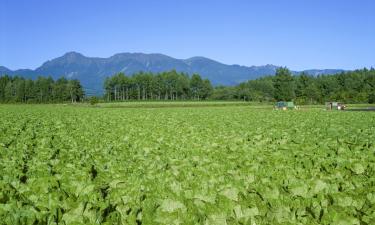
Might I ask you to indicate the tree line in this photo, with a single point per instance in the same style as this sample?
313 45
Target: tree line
169 85
41 90
356 86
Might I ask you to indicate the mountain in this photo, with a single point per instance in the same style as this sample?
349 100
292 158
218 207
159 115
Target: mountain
4 70
92 71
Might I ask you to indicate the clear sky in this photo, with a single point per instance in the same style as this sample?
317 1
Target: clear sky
299 34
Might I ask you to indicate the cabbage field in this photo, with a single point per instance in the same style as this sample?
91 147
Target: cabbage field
190 165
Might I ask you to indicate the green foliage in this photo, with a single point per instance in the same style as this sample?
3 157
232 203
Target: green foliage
223 93
218 165
350 87
41 90
284 85
94 100
162 86
371 98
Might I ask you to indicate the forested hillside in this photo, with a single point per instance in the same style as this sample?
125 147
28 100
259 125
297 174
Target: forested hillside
42 90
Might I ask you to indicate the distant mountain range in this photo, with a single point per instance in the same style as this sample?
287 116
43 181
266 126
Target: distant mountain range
92 71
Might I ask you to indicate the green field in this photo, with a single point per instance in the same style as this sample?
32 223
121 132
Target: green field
218 165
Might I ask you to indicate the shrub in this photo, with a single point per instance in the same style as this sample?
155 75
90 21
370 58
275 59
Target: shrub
94 100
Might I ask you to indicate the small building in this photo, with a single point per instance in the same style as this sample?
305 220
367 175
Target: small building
335 106
285 106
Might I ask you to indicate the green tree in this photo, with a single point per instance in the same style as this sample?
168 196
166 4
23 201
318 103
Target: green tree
94 100
371 98
196 84
206 89
284 85
9 92
60 90
75 90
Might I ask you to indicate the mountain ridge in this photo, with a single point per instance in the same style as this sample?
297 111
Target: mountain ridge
92 71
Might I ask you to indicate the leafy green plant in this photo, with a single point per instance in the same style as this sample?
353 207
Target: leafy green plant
219 165
94 100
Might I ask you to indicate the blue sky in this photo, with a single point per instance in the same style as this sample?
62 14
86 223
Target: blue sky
299 34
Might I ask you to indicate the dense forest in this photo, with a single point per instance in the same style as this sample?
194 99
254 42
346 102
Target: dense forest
349 87
42 90
162 86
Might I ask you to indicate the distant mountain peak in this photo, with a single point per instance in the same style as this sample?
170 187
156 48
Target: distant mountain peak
73 54
201 61
198 58
271 65
3 68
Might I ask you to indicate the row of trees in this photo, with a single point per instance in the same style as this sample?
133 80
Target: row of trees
162 86
41 90
350 87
